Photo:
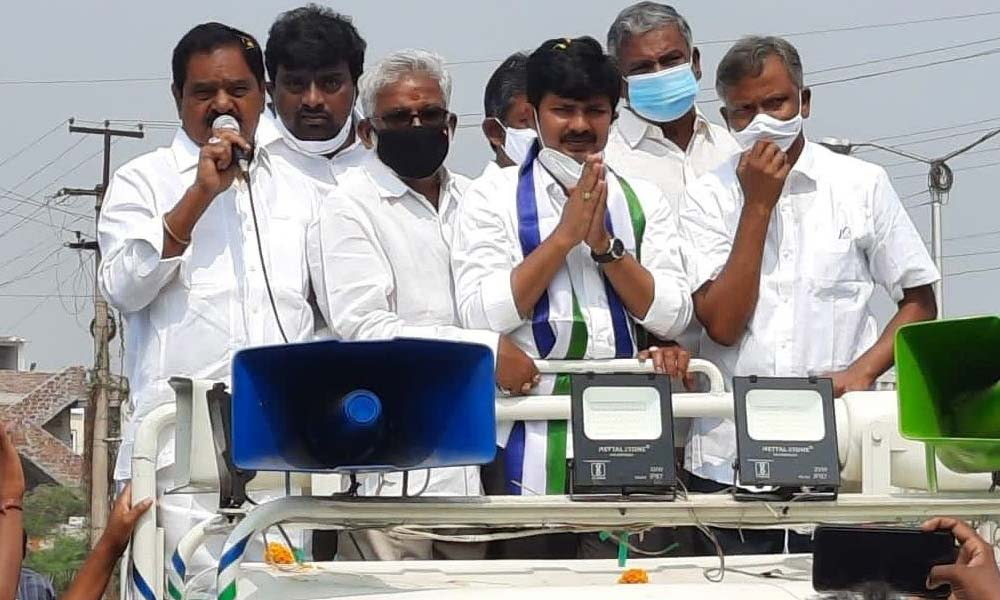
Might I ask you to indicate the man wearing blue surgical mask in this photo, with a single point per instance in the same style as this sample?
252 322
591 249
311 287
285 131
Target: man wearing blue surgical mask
660 135
508 121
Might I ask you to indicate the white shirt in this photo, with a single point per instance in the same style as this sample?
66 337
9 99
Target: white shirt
319 168
638 148
838 230
380 261
187 315
323 171
487 249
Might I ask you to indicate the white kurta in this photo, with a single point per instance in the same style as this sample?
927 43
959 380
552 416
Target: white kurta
487 249
379 256
188 315
838 230
637 148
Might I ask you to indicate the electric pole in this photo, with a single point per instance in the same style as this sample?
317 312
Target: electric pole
96 426
939 181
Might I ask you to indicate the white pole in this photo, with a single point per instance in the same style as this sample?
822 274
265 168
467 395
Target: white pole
936 253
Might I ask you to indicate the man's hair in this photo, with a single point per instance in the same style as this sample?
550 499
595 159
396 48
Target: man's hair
572 68
397 65
644 17
746 59
312 37
210 36
508 81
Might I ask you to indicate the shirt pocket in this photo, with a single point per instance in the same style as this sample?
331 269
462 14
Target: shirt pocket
835 263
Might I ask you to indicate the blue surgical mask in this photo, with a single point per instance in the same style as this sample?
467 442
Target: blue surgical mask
663 96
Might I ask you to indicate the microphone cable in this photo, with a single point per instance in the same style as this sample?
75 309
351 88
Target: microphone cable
260 253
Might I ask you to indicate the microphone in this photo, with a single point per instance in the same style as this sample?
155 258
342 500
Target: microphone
242 156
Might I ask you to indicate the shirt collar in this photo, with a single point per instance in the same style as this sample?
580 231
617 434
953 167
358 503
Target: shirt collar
268 133
391 186
186 152
807 163
633 128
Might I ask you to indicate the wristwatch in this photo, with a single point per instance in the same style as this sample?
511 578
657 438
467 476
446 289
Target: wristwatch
616 251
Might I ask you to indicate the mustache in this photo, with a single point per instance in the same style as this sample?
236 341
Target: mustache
579 138
307 112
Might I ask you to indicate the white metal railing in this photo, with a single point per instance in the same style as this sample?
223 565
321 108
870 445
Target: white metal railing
715 403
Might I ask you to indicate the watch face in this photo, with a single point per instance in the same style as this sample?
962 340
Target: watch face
617 248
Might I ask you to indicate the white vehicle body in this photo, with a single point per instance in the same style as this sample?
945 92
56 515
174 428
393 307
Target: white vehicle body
883 480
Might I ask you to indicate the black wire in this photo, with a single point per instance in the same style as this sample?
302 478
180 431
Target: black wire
281 530
263 263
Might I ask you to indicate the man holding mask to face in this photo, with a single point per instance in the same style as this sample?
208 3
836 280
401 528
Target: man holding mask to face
380 260
791 240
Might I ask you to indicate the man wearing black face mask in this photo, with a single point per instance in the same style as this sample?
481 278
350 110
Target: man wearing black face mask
379 259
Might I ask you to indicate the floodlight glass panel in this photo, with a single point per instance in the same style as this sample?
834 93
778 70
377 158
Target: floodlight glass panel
785 415
621 413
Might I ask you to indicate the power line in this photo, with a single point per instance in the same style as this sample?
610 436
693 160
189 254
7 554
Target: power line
971 271
972 168
794 34
862 27
870 26
888 59
930 139
972 235
42 302
969 254
33 143
35 269
934 130
87 296
47 204
910 162
903 56
935 63
48 164
84 81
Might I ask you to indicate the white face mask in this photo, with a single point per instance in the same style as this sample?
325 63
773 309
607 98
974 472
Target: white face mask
564 168
766 127
318 147
517 142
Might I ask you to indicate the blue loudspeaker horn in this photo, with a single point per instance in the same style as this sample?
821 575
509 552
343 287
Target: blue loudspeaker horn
363 406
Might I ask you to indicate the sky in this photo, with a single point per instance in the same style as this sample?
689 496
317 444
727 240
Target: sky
111 60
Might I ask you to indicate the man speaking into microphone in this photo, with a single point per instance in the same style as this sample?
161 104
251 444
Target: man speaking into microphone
201 257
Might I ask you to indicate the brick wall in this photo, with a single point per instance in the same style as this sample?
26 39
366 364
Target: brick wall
45 397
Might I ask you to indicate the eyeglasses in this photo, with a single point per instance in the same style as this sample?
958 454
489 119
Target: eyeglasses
432 116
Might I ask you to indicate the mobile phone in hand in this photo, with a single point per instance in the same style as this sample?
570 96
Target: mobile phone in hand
860 559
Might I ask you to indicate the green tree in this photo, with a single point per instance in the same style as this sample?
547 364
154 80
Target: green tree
48 506
61 561
45 508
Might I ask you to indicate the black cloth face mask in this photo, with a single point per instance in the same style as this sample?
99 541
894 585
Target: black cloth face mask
413 152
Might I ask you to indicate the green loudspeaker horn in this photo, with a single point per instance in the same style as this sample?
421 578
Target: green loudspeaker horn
948 383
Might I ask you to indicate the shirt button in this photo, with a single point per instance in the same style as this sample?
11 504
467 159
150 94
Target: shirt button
786 254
